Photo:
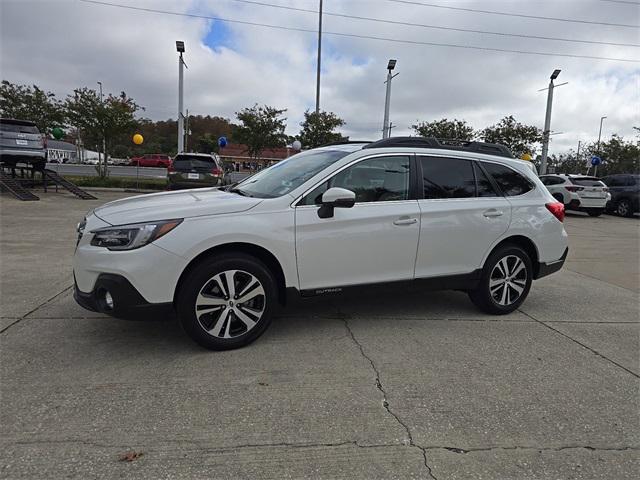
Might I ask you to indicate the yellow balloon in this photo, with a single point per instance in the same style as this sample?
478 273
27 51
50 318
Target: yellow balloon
526 156
138 139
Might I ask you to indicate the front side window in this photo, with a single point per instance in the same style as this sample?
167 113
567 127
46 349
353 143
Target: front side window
510 182
289 174
447 178
382 179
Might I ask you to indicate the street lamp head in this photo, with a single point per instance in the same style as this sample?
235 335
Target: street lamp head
392 65
555 74
180 46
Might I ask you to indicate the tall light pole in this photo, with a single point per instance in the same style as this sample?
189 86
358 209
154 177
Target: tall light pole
547 123
180 49
595 170
387 101
104 141
319 59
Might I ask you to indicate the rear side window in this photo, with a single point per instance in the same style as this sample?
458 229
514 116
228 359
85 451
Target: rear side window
510 182
447 178
586 181
485 187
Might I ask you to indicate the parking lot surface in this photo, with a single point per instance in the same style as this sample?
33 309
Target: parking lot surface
395 384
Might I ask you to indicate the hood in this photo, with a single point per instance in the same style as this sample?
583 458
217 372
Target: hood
180 204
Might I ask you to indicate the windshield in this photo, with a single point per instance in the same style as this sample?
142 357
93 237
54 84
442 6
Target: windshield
289 174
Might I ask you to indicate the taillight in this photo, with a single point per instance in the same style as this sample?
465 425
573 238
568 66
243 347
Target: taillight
574 189
216 171
170 167
44 142
605 189
557 209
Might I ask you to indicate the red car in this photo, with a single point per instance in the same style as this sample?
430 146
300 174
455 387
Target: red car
151 160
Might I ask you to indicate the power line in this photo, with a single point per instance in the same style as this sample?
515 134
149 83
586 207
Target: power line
636 4
438 27
494 12
353 35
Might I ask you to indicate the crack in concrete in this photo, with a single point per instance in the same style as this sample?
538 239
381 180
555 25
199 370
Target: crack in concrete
385 402
538 449
19 319
544 324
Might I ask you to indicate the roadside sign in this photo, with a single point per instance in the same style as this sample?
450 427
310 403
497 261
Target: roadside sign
222 142
596 160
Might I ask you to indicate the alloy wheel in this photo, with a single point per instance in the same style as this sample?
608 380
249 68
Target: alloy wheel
623 208
508 280
230 304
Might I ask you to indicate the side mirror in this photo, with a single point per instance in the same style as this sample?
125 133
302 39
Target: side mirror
336 198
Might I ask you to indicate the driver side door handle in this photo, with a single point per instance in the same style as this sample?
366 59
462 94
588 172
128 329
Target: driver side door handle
405 221
492 212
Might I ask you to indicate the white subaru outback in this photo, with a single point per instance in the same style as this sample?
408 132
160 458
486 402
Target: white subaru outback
465 216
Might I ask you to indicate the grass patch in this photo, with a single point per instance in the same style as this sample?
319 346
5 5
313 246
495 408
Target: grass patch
119 182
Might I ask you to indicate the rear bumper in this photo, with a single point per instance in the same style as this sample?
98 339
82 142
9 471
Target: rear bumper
127 302
547 268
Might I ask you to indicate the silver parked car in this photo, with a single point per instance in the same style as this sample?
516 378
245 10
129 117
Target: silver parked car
21 142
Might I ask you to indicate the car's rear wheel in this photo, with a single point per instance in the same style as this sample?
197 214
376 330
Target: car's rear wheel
227 301
505 282
595 212
623 208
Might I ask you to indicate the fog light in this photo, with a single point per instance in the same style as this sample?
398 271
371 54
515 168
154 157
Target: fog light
108 300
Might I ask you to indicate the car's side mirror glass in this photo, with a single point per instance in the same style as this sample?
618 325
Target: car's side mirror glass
336 198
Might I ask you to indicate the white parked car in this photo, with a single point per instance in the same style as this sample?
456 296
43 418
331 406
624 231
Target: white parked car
578 192
469 217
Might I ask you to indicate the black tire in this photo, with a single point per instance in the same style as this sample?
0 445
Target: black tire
201 278
482 296
623 208
595 212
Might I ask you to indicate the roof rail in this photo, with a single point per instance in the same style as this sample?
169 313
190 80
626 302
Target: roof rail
345 142
444 144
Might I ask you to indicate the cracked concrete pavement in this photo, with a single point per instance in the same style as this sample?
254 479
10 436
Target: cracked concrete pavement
394 384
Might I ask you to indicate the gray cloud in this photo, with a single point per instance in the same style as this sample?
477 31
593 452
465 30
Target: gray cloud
62 44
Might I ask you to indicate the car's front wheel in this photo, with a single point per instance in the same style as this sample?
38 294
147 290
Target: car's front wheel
227 301
505 282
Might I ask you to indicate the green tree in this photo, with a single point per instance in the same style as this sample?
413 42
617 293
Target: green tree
520 138
618 155
445 129
95 119
318 129
25 102
261 127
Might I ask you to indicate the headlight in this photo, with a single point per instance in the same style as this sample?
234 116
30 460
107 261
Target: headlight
128 237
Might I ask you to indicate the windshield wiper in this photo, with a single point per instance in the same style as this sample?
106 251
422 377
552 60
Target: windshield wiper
240 192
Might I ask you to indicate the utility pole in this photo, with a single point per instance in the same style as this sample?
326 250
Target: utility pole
180 49
547 123
595 170
385 125
186 132
104 141
319 59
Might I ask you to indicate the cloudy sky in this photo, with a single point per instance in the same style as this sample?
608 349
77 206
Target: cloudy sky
63 44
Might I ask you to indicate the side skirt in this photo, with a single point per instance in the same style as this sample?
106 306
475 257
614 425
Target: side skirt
467 281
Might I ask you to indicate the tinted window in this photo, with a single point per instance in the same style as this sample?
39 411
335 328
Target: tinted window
552 180
17 128
447 178
510 181
586 181
485 188
196 163
631 181
382 179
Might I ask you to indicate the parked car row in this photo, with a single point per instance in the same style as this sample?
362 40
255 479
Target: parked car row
619 193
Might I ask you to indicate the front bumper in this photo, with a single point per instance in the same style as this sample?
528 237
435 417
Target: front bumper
127 301
545 269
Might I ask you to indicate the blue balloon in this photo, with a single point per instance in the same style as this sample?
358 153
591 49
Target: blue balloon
222 142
